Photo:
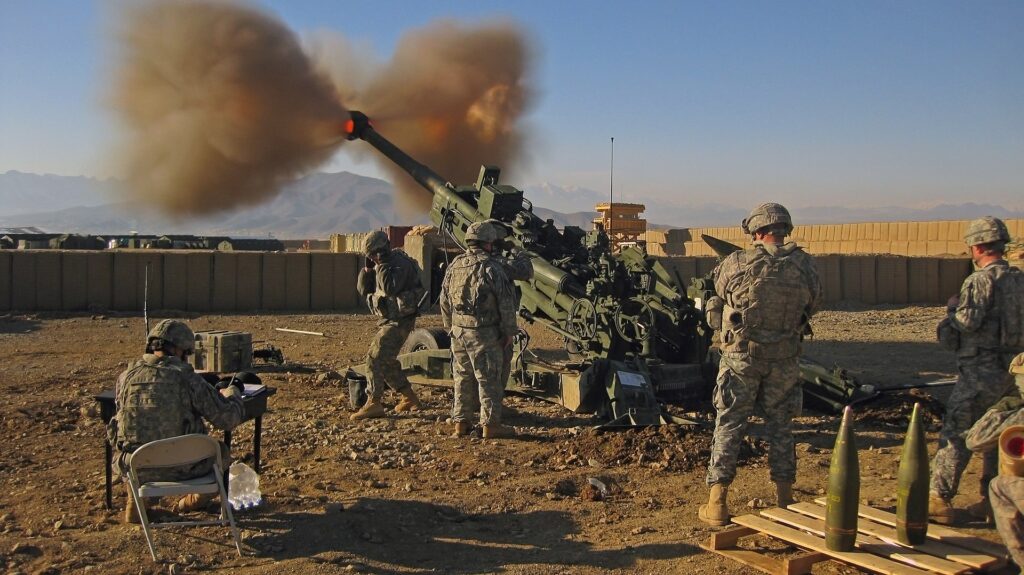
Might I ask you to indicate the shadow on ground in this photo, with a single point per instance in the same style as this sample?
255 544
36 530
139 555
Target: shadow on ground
388 536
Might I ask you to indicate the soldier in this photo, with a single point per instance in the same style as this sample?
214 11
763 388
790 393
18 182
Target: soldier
983 326
160 396
478 306
768 294
1006 491
391 284
519 267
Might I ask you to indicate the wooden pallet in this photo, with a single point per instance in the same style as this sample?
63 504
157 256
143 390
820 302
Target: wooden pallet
947 551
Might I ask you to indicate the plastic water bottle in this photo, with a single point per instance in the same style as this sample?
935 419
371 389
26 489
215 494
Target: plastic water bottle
243 487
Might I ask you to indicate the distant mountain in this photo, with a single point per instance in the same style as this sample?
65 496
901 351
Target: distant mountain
22 193
321 204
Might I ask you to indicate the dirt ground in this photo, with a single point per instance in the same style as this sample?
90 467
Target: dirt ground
412 499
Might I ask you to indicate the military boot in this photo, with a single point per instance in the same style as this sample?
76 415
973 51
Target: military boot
716 512
940 511
784 494
370 410
193 502
462 429
498 431
409 401
981 510
131 513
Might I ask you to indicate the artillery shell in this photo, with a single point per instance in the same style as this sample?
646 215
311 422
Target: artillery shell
843 495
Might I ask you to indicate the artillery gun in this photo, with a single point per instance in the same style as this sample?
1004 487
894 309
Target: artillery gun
636 338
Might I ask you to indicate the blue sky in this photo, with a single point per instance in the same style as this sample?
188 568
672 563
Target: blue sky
810 103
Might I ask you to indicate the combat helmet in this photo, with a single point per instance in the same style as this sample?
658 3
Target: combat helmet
767 215
499 227
375 243
481 232
174 332
985 230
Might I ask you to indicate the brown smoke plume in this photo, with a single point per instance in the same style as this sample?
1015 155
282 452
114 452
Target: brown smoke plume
451 97
220 103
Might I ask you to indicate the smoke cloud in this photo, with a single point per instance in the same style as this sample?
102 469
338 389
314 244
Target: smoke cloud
220 104
452 97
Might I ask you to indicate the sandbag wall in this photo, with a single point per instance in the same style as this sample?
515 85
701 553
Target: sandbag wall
869 279
197 281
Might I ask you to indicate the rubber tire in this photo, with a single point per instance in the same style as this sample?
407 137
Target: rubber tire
427 338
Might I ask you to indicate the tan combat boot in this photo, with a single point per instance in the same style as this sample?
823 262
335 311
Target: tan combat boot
940 511
131 513
716 512
498 431
409 401
193 502
462 429
370 410
981 510
784 494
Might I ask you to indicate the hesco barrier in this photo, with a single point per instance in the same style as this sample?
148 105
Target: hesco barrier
178 280
296 282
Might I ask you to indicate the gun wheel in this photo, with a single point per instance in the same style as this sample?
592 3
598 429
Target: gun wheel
634 321
423 338
582 319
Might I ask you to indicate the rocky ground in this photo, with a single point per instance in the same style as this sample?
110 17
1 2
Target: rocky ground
401 496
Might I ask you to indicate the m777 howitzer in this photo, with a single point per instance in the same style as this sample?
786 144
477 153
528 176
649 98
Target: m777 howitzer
828 390
639 339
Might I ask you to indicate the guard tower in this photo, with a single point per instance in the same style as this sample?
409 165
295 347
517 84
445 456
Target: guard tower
622 222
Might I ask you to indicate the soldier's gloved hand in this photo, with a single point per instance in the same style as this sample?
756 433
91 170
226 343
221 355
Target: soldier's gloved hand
1009 403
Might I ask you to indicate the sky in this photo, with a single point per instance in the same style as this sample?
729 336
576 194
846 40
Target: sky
808 103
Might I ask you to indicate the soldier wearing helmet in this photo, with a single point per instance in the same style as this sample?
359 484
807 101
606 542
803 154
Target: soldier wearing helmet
478 305
390 282
766 297
160 396
984 326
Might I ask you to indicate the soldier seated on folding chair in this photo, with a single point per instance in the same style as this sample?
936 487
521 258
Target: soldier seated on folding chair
160 396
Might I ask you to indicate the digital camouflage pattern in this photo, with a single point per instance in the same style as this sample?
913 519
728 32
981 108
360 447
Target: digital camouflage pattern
519 267
767 215
397 291
983 378
770 292
382 365
746 387
162 397
986 230
1006 493
478 306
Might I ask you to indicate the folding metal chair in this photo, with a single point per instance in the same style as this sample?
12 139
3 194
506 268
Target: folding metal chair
174 452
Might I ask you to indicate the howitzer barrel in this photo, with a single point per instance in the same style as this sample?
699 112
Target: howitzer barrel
359 127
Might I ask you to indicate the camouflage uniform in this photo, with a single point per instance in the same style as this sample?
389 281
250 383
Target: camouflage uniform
982 380
759 372
1006 492
478 306
397 289
162 397
518 268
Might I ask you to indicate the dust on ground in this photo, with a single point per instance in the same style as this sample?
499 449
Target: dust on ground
400 495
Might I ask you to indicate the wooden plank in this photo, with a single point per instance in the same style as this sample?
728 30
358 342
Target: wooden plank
888 533
729 537
867 542
937 532
815 543
767 564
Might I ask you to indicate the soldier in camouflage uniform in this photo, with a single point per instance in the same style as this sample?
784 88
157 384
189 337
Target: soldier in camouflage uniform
160 396
1006 491
767 296
978 327
478 306
519 267
391 284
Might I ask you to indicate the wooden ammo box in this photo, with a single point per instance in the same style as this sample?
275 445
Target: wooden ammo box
222 351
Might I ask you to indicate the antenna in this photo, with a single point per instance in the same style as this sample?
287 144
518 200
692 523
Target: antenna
611 193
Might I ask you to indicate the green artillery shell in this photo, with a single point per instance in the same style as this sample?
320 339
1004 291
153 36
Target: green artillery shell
912 486
843 495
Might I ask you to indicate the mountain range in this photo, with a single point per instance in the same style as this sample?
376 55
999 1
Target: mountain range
320 204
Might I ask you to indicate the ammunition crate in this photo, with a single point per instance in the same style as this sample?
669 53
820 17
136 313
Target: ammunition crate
222 351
